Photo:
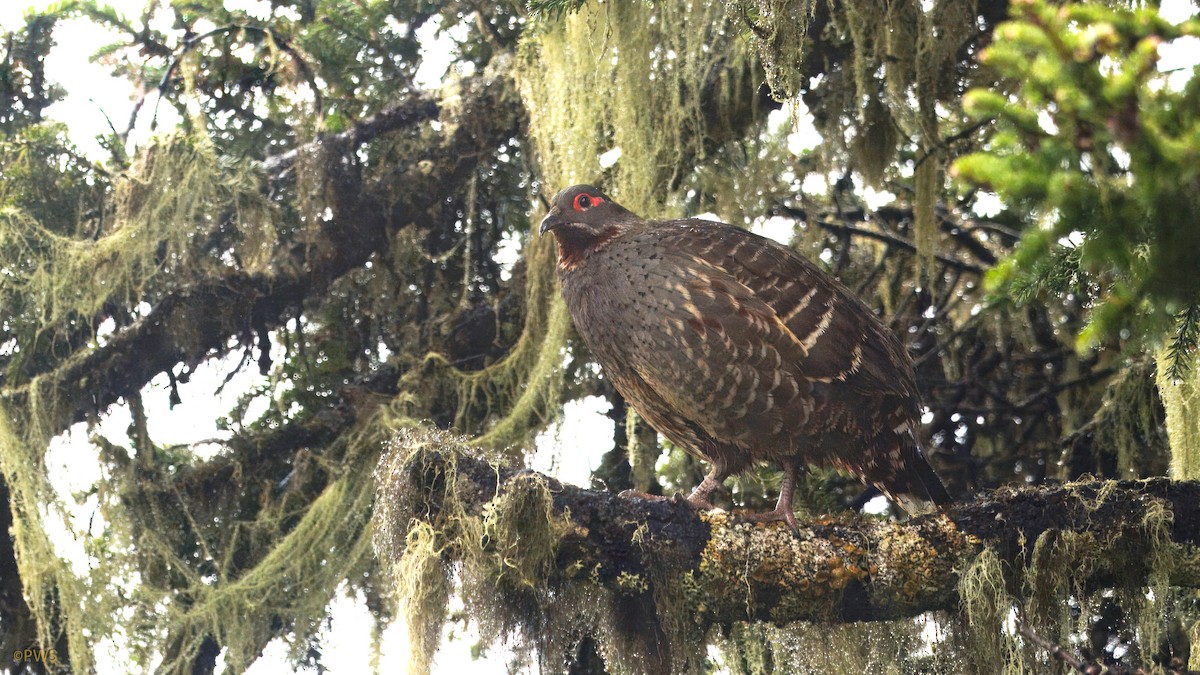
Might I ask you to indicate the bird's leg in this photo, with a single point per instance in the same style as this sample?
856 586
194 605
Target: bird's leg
698 499
783 508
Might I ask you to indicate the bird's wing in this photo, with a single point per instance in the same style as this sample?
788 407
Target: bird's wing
842 339
711 349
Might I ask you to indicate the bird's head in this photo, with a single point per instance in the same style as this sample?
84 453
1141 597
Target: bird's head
583 208
582 218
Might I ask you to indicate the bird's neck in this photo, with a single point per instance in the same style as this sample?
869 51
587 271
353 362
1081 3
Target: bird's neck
576 244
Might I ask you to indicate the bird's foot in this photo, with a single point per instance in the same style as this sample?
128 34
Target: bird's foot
698 503
779 514
638 494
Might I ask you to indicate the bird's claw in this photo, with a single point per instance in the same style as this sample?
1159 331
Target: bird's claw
788 516
701 503
638 494
697 503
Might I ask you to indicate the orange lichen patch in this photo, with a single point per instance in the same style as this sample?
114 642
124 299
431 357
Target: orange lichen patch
785 574
911 558
761 557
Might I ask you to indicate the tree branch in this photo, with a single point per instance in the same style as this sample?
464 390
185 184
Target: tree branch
195 321
891 240
832 568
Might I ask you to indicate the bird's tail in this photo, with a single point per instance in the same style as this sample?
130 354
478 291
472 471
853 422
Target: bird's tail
911 482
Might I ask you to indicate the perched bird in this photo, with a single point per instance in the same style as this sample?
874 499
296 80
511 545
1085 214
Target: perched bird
740 350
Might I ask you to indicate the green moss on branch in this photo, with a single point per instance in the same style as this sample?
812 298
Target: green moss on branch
523 544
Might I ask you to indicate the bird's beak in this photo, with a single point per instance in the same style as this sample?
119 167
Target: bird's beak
551 219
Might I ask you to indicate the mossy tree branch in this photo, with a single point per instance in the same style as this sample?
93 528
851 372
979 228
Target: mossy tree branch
833 568
192 323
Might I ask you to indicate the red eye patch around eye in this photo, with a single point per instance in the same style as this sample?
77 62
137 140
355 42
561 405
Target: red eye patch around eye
586 201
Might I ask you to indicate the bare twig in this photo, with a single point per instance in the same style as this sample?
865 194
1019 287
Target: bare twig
851 231
1056 650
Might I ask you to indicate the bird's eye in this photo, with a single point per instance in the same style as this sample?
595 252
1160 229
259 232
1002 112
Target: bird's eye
585 201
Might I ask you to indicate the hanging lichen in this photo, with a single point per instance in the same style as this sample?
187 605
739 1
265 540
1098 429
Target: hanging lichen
155 233
643 451
1128 427
888 647
525 383
56 595
626 77
1181 400
163 209
501 556
928 187
780 29
987 604
284 562
1005 603
180 212
896 89
325 547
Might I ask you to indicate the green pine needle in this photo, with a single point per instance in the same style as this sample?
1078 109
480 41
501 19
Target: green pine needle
1182 350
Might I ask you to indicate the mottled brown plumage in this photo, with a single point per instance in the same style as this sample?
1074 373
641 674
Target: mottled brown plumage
739 350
